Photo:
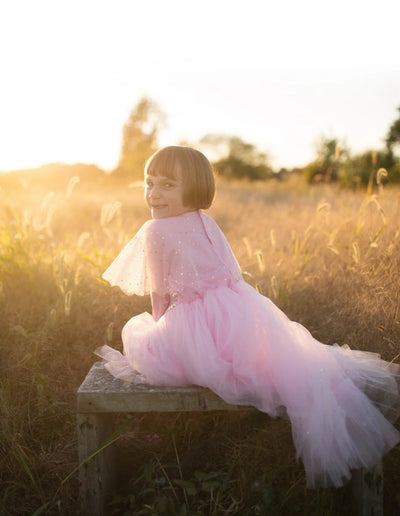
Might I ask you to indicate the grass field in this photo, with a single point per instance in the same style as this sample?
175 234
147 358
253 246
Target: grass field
329 258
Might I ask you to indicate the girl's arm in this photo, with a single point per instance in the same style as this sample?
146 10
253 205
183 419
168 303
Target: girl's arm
159 304
157 266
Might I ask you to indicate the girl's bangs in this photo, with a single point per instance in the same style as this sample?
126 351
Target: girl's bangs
163 163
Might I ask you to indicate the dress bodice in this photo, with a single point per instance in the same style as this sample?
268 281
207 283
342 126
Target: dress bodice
175 259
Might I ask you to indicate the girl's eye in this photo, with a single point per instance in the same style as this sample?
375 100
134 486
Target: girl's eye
168 185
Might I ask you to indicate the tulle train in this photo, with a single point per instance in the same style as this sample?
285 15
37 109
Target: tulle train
239 344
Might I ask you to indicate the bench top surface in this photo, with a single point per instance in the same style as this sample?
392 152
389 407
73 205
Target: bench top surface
101 392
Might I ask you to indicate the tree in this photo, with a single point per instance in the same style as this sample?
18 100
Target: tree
241 159
331 153
140 137
362 168
393 136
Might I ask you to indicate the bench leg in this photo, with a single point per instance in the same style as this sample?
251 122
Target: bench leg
368 491
96 477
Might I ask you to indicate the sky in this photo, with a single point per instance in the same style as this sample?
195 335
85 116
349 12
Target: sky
277 74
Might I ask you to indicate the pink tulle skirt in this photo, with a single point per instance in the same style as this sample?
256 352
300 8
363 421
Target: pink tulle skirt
239 344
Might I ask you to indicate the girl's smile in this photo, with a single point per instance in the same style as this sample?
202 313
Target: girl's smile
164 196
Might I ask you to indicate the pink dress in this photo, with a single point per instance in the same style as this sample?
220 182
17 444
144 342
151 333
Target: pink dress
210 328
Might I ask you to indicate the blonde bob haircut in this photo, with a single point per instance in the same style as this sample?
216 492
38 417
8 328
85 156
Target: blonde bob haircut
189 165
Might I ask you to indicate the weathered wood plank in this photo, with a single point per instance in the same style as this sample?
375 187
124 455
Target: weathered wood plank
100 392
96 476
367 488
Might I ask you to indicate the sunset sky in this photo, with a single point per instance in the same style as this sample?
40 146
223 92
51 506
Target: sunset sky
277 74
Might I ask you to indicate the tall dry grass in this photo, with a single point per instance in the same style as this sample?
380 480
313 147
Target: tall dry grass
329 258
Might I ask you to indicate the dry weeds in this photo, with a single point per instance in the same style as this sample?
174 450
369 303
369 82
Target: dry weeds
329 258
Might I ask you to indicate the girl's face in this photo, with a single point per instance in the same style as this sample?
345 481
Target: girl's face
164 196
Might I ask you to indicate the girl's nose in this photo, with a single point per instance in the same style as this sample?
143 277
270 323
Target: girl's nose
154 192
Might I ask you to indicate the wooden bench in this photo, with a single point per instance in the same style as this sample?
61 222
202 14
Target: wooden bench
101 396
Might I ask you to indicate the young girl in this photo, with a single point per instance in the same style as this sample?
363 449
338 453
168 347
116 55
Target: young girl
210 328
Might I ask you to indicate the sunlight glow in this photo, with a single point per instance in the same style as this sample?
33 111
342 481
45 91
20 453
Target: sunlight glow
275 76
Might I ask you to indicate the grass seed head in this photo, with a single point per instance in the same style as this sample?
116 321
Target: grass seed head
71 185
382 172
